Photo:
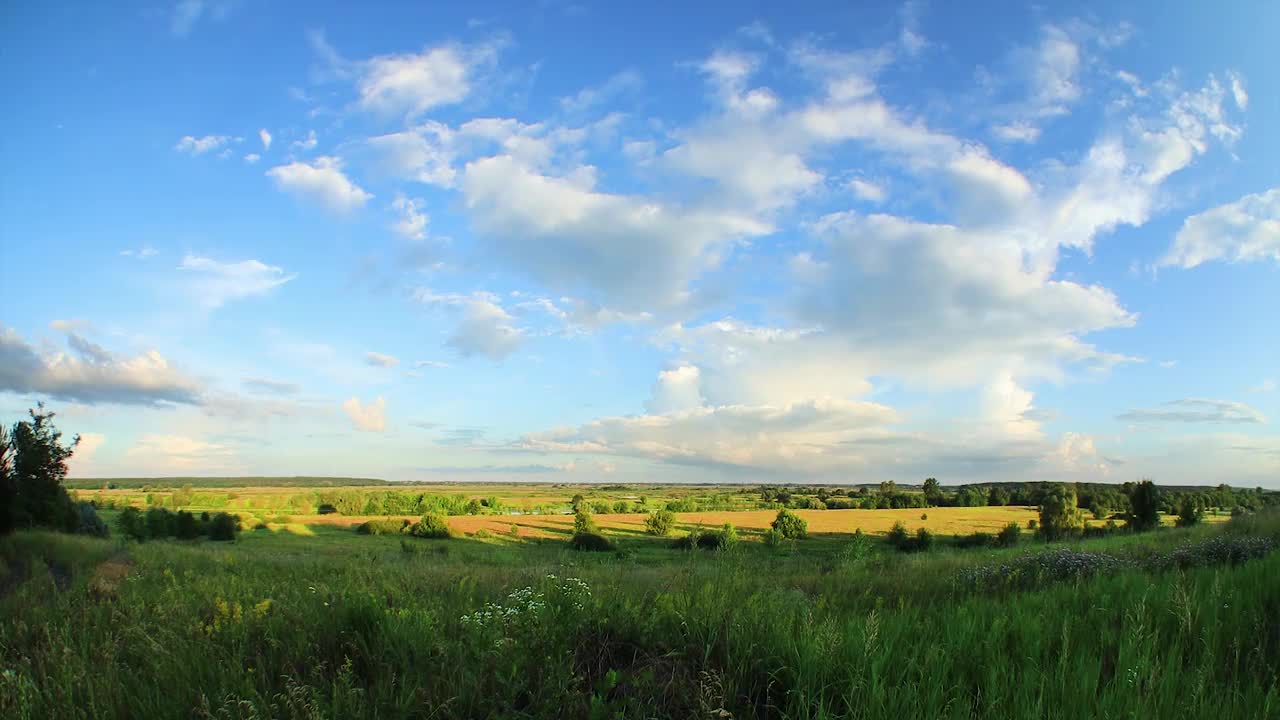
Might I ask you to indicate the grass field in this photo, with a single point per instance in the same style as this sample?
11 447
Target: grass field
307 619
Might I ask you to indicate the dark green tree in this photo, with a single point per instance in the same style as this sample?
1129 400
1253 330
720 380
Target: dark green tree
932 491
1144 506
33 460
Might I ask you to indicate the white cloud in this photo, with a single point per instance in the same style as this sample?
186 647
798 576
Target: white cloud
430 363
265 137
571 237
90 374
215 283
377 359
81 462
412 224
322 182
306 144
370 417
867 190
1247 230
486 329
1266 386
199 146
179 452
1238 92
141 253
411 84
1017 132
677 389
423 154
252 158
1194 410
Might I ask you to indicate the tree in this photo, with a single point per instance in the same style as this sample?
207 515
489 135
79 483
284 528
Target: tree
888 487
932 491
1144 503
1059 515
1189 511
998 496
583 522
791 526
33 461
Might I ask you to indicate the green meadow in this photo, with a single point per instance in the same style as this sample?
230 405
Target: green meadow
317 621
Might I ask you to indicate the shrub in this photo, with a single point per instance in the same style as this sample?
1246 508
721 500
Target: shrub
977 539
591 542
131 524
773 538
382 527
432 525
222 527
1009 535
1189 512
792 526
923 540
514 530
924 516
88 522
1059 515
1033 524
689 540
483 534
583 522
1144 503
185 526
722 539
326 509
660 522
897 536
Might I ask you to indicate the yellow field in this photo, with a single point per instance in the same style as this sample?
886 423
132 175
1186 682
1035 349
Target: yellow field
944 521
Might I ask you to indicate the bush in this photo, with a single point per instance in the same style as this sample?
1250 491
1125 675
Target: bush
514 530
1189 512
660 522
897 536
483 534
591 542
772 538
432 525
222 527
583 522
1059 516
1033 524
924 516
792 526
722 539
923 540
1009 535
88 521
131 525
976 540
382 527
326 509
185 526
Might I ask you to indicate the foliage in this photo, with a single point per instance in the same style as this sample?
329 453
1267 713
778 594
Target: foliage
1059 516
33 464
660 522
773 538
223 527
432 525
1144 501
792 526
383 527
591 542
897 536
583 522
1189 512
1009 535
88 522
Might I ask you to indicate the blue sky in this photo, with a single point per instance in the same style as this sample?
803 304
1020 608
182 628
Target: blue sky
576 242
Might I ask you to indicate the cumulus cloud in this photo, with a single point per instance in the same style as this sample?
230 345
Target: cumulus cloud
1193 410
252 158
179 452
801 436
90 374
424 154
199 146
141 253
412 223
1246 230
306 144
570 236
377 359
677 389
321 181
265 137
369 417
486 329
215 283
412 83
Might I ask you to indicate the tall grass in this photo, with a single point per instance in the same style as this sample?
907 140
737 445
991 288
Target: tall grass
175 630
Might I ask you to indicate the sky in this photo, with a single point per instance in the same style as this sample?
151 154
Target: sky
668 242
